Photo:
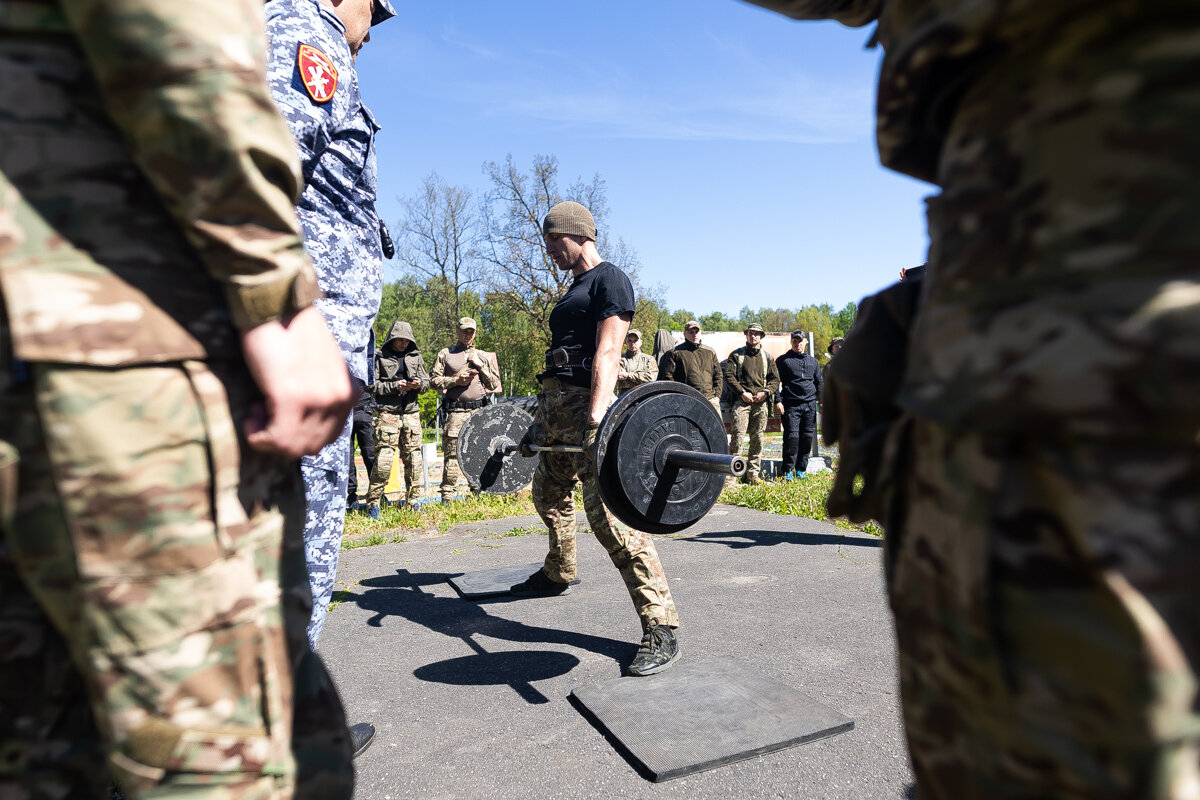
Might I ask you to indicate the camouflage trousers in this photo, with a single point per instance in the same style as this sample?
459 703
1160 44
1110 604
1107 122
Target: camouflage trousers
1046 616
450 469
394 432
153 596
563 412
326 477
752 418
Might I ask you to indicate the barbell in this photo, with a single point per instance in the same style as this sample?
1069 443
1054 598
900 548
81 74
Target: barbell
660 454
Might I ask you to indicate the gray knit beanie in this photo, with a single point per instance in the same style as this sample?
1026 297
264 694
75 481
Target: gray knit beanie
571 219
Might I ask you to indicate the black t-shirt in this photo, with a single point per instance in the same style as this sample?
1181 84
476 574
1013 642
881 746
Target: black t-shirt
602 292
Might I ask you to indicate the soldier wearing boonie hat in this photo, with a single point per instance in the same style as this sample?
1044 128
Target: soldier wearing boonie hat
465 376
636 367
753 379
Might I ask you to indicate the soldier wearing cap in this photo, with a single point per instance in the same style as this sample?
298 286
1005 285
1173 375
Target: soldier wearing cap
587 326
465 376
796 403
695 364
636 367
752 379
312 47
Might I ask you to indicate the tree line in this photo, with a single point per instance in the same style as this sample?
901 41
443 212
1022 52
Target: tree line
463 255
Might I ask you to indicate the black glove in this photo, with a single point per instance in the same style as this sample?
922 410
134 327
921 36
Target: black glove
535 435
859 404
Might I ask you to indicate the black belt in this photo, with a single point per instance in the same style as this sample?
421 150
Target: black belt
467 405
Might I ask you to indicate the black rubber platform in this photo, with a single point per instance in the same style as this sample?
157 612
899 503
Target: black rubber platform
699 715
493 582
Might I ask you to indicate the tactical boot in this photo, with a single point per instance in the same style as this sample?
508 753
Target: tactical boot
361 736
539 585
373 511
659 650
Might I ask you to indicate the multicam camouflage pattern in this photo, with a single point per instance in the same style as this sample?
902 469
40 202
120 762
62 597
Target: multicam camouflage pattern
150 563
161 257
562 412
395 433
451 472
1042 548
748 418
641 367
1044 595
148 543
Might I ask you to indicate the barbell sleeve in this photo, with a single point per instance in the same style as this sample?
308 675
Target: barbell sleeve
717 463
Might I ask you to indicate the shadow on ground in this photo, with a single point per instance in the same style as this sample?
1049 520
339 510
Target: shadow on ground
403 595
739 540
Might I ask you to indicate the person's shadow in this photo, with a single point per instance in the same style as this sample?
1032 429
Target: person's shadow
740 540
402 595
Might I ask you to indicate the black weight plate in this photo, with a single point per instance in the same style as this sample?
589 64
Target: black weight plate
481 436
634 481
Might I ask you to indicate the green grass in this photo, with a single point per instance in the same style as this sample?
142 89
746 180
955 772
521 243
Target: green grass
362 531
798 498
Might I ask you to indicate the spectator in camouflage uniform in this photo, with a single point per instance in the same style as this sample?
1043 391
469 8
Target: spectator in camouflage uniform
753 380
465 376
587 326
161 368
400 378
636 367
1024 418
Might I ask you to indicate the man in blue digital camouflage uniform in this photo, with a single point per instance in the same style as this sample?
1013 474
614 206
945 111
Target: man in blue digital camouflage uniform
310 68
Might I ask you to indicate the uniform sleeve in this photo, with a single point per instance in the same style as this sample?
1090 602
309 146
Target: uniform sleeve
422 375
645 371
772 377
496 367
717 378
731 377
185 84
848 12
818 379
488 375
308 121
437 376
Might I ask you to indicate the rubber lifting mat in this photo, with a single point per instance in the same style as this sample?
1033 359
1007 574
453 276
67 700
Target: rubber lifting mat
699 715
493 582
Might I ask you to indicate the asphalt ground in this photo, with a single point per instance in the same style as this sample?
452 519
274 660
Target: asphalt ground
470 699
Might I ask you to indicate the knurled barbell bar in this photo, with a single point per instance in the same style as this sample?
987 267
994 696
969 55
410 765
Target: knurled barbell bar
660 454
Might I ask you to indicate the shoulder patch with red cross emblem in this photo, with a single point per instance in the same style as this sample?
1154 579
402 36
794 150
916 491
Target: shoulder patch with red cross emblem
317 73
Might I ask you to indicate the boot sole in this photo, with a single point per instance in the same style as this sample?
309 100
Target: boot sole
658 669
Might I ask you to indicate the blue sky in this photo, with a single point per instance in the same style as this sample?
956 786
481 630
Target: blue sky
737 145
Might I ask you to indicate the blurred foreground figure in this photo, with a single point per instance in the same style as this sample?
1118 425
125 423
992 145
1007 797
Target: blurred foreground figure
161 368
1025 418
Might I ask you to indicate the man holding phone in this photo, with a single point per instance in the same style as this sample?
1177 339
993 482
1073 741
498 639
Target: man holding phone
465 376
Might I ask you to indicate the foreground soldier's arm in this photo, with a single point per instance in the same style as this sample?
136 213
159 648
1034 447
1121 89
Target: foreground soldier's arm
199 88
610 339
847 12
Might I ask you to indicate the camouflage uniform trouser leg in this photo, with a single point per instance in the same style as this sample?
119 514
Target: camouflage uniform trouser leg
150 566
410 456
324 523
563 413
750 418
393 433
387 438
1046 616
450 471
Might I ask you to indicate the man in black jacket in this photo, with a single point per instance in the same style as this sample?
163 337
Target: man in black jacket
796 402
362 423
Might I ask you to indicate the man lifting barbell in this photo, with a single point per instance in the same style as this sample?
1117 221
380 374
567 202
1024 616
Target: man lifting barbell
587 330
